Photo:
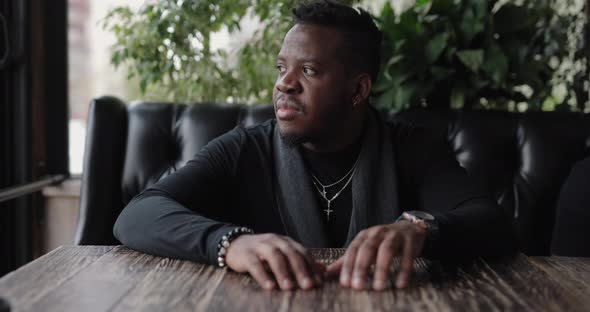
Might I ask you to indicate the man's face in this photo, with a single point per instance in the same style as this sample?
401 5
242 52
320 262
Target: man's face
313 93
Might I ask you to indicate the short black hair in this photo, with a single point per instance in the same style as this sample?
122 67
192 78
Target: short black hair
357 26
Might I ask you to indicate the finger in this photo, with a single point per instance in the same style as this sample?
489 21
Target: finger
319 272
299 267
317 269
348 263
260 274
335 267
406 264
387 250
278 265
364 259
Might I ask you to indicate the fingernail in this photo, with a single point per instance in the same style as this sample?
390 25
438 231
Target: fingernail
379 284
357 282
344 279
269 285
287 283
306 283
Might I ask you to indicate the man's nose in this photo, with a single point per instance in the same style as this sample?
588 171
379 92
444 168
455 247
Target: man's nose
288 83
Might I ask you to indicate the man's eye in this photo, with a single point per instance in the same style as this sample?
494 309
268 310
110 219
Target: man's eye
308 71
280 68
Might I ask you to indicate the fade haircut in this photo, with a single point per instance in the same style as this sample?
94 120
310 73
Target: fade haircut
361 36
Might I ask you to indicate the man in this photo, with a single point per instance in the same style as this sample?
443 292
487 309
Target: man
328 172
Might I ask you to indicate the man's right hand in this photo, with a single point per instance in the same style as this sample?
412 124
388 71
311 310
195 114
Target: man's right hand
274 260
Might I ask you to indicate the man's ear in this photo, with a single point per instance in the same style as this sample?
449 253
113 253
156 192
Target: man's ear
362 89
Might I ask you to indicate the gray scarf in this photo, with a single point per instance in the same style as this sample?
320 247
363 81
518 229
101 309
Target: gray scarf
374 187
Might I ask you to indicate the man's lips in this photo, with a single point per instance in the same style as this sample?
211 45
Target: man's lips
286 113
287 110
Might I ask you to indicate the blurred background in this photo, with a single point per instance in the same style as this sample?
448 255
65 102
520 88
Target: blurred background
55 56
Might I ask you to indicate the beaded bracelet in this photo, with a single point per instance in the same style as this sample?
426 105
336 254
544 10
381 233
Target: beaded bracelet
225 242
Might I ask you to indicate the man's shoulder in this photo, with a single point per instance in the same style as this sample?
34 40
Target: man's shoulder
261 133
242 133
263 129
242 143
257 137
240 137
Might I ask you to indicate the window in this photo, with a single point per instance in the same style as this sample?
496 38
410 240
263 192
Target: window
90 72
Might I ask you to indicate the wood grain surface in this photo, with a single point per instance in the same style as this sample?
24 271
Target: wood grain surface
114 278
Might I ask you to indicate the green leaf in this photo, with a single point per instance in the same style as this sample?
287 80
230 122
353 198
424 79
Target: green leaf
382 85
404 95
457 97
496 64
386 99
387 72
420 3
435 47
143 85
480 8
409 23
398 77
473 59
471 25
387 12
450 55
116 58
443 7
395 59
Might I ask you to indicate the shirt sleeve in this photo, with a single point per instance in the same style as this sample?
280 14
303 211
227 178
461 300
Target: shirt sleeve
471 223
183 216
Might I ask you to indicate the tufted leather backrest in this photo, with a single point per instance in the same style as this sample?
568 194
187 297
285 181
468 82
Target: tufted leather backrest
522 159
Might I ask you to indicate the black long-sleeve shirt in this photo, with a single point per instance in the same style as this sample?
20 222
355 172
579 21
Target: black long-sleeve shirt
229 183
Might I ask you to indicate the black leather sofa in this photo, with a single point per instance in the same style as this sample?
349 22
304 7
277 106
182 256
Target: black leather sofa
522 159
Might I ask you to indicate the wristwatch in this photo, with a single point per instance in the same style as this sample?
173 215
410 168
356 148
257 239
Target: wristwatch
420 218
425 221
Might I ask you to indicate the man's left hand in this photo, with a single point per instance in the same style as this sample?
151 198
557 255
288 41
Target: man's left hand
378 245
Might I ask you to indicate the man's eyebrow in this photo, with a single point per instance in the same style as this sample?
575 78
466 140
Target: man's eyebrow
302 60
313 61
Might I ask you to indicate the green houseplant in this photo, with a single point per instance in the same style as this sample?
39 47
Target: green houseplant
437 53
462 54
166 46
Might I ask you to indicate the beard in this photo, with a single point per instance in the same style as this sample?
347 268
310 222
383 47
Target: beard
295 136
292 140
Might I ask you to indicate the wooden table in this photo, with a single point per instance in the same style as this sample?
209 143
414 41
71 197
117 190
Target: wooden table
101 278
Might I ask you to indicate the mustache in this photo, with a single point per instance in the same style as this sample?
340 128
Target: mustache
288 102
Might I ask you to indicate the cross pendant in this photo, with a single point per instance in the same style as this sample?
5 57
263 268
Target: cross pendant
328 211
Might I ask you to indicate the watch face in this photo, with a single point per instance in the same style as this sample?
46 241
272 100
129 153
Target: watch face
421 215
